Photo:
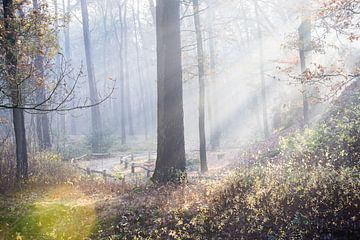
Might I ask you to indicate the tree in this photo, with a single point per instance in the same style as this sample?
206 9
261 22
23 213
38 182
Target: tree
201 72
215 132
42 120
95 110
10 77
305 42
170 162
143 94
129 109
120 42
262 72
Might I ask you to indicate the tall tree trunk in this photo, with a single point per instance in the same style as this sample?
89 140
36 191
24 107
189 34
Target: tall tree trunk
200 55
170 162
18 114
215 131
67 50
95 110
127 79
262 73
61 129
141 80
122 80
120 42
42 120
150 97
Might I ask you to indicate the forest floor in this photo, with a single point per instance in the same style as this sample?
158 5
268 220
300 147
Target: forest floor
78 209
299 184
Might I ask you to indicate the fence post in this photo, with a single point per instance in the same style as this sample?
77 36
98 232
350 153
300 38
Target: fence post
104 175
147 173
123 181
121 160
133 168
88 171
132 157
126 164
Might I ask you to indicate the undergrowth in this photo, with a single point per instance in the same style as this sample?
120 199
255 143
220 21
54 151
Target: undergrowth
306 188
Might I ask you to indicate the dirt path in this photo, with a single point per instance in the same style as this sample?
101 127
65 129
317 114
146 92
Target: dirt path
216 160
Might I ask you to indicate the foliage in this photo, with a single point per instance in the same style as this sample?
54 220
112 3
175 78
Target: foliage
336 139
272 202
34 36
309 190
341 16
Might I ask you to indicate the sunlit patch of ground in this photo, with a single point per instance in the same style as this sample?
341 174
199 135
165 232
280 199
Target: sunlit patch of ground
63 212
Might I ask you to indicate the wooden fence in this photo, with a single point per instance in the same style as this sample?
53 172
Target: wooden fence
125 160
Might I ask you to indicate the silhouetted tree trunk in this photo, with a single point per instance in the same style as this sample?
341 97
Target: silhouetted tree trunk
42 120
95 110
262 74
170 162
200 55
18 114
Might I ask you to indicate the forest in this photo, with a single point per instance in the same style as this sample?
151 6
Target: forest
180 119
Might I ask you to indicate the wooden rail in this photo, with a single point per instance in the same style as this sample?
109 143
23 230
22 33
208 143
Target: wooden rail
123 160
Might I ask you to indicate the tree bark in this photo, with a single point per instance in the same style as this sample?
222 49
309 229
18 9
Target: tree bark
170 162
95 110
18 114
201 72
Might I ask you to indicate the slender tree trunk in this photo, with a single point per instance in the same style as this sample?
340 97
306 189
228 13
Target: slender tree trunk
170 162
305 41
152 10
127 79
122 115
215 132
200 54
67 50
95 110
149 88
42 120
61 129
141 80
21 147
18 114
262 74
122 81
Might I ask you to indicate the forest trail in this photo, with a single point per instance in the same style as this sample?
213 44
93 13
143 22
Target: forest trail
115 164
